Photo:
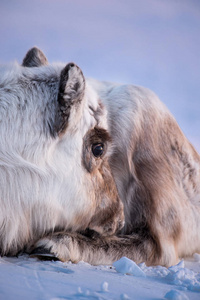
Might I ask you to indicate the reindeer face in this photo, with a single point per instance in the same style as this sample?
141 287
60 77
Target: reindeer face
55 150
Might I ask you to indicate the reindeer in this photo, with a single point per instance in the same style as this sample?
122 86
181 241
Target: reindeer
92 170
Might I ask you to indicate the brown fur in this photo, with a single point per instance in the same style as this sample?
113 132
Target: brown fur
104 219
157 181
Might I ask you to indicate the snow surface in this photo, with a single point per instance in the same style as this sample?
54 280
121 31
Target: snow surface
128 267
29 278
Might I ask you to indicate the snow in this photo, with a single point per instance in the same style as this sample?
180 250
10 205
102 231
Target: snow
29 278
104 287
127 266
176 295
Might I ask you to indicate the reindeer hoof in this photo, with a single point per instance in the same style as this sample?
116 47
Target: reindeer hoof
43 254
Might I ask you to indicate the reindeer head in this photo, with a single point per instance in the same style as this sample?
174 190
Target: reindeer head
55 149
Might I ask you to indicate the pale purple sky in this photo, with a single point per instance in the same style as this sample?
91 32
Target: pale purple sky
154 43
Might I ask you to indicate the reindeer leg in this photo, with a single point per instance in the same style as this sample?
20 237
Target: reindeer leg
98 250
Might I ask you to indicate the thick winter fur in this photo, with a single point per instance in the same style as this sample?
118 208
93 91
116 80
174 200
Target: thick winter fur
55 190
46 114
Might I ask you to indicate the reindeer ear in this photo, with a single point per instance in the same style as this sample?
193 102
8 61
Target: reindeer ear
34 58
70 95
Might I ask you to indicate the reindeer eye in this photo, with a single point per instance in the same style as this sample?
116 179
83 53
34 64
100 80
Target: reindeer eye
98 149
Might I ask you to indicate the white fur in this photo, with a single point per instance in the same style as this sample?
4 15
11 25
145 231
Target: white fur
41 178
